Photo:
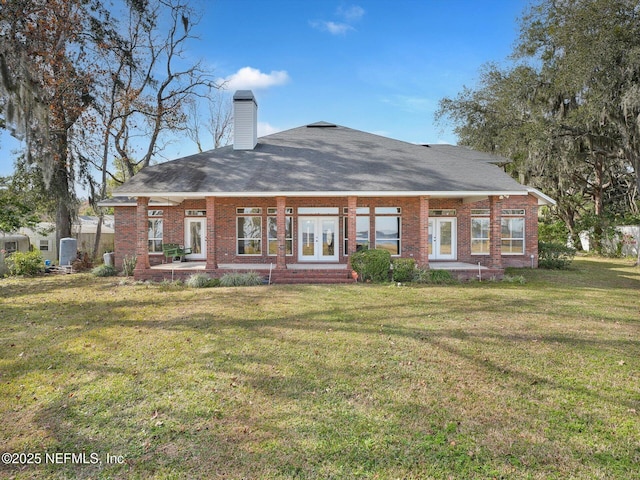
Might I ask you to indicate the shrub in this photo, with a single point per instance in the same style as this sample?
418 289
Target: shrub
437 277
519 279
441 277
554 255
553 231
129 265
372 265
25 263
236 279
104 271
201 280
403 269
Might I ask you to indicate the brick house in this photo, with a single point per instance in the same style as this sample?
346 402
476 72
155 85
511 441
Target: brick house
296 204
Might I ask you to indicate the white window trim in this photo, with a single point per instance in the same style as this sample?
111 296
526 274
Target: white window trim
524 236
238 239
480 254
271 239
399 238
155 218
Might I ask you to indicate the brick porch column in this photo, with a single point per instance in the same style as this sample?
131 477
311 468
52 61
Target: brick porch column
495 231
281 226
423 252
142 234
352 205
212 262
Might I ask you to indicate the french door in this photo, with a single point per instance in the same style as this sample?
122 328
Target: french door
318 239
442 239
195 238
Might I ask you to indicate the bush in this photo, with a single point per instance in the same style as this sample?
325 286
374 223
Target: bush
554 255
104 271
201 280
436 277
553 231
248 279
129 265
519 279
25 263
403 269
372 265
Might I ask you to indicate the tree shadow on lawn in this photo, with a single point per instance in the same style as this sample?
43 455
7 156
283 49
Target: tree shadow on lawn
589 272
461 331
294 437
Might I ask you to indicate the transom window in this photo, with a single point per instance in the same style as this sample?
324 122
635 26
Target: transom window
450 212
359 210
274 211
318 210
513 211
480 212
249 211
195 213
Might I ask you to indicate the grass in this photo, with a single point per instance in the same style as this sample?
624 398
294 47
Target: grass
493 380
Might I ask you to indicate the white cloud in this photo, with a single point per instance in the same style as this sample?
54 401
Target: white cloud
265 128
248 78
332 27
348 14
352 13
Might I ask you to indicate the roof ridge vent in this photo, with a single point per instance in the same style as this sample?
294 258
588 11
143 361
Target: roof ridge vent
322 125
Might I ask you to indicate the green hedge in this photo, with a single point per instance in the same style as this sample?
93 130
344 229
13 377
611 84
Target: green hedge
24 263
372 265
104 271
554 255
403 269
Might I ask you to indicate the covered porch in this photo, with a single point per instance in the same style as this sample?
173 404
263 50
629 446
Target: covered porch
306 273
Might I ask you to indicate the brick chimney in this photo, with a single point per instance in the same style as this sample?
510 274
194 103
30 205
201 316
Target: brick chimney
245 120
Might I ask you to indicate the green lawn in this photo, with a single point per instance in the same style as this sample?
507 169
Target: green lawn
490 380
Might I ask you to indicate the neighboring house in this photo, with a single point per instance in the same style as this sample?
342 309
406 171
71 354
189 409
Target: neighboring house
10 243
43 236
307 198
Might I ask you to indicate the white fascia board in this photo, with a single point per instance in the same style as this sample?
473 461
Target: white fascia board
542 198
166 196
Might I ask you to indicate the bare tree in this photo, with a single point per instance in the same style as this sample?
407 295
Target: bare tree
218 121
144 92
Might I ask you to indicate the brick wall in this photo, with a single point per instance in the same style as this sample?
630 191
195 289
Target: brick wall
225 228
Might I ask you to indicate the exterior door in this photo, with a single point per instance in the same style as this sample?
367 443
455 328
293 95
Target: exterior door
318 239
442 239
195 238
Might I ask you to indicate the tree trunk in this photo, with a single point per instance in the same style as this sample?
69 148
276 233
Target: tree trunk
59 187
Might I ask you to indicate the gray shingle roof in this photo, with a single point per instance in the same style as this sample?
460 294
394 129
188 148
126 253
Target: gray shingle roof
324 158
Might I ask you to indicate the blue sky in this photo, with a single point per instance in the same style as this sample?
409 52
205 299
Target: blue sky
378 66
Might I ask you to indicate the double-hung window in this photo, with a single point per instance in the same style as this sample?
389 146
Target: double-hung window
480 231
388 226
513 232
